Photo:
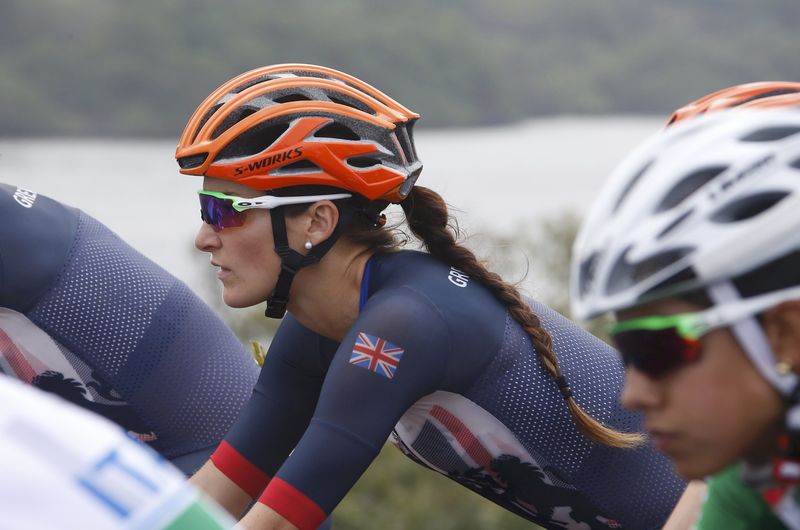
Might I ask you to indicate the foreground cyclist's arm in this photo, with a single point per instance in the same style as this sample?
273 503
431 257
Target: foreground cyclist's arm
262 517
100 480
222 489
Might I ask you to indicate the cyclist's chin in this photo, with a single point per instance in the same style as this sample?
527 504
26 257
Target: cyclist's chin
696 463
694 468
238 298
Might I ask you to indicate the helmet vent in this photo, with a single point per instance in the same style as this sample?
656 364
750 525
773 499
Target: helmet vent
403 133
683 276
337 131
409 130
769 94
687 186
188 162
747 207
253 82
232 119
208 115
290 98
363 162
675 224
352 104
253 141
306 73
300 165
632 184
624 274
588 272
771 134
621 274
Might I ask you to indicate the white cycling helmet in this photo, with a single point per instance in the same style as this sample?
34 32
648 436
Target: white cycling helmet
696 206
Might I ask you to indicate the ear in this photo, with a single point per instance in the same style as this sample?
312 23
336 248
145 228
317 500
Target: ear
315 224
782 327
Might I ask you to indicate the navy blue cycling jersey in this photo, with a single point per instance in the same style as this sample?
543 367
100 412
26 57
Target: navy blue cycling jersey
435 363
85 316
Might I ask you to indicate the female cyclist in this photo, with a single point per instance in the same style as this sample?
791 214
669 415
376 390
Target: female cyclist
429 349
695 245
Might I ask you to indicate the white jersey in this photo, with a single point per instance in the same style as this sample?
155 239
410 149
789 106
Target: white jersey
63 467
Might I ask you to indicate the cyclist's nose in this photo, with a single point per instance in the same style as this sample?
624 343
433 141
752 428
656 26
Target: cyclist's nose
640 392
206 239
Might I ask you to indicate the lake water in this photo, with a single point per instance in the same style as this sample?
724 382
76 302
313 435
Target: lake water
495 178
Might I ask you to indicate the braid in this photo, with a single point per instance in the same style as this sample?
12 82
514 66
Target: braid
427 217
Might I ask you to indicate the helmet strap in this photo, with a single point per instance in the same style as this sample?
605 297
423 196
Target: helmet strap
771 479
292 261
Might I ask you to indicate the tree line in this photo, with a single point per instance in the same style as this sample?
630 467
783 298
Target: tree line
109 67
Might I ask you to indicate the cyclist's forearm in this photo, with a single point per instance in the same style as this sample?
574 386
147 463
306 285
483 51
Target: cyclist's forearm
222 489
262 517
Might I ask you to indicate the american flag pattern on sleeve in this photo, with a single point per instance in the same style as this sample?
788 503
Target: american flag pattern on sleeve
376 355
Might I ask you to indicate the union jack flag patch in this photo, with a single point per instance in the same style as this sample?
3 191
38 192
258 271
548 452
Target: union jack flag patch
376 355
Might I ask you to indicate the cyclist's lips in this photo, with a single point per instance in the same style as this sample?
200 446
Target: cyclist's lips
663 440
223 272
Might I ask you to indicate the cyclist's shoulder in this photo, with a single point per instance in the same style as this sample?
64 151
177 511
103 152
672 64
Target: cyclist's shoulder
36 235
24 210
411 279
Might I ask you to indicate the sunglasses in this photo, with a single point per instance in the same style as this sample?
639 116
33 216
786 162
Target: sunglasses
658 344
226 211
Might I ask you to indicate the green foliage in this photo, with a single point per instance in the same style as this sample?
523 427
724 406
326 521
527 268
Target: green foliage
536 257
92 67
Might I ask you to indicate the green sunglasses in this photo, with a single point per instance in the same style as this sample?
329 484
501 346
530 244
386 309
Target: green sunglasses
658 344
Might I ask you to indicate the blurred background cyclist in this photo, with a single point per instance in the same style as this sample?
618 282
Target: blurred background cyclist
85 316
757 95
432 350
695 245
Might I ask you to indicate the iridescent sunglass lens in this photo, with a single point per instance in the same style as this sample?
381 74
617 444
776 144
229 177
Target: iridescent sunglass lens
219 213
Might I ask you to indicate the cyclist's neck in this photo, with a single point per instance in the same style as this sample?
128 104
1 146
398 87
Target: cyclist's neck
325 296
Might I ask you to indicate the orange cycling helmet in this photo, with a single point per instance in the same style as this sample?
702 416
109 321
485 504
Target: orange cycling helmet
293 128
298 125
762 94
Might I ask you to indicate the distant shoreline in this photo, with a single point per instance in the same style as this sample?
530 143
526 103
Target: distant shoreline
494 178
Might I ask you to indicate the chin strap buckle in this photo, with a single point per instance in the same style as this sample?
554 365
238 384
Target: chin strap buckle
292 261
276 308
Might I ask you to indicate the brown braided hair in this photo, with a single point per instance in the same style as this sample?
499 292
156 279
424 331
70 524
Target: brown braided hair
428 218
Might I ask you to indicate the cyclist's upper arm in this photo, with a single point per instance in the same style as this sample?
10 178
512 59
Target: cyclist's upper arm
395 353
279 409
